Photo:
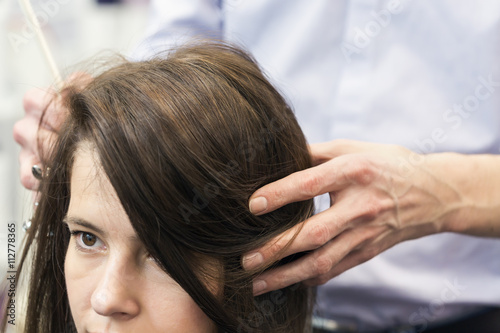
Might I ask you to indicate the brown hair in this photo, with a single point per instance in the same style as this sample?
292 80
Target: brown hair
184 140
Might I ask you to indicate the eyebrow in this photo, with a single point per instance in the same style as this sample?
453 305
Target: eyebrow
84 223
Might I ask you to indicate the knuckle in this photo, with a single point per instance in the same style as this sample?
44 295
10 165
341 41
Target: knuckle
318 235
28 100
33 100
17 132
375 206
370 252
366 171
274 249
281 280
322 265
310 185
28 181
372 208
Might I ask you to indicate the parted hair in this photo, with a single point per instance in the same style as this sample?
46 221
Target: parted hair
185 139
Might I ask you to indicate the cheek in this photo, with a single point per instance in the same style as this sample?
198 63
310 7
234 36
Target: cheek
172 309
77 276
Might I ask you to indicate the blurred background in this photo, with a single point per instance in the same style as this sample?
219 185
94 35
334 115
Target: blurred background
75 30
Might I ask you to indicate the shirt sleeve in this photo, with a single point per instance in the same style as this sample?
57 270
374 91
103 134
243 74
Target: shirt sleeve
173 22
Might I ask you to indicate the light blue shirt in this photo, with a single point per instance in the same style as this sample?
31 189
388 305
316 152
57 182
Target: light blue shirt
424 74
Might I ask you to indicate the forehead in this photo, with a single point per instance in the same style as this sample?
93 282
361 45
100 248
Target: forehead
87 176
93 198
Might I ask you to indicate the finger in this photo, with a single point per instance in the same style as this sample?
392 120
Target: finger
45 143
24 132
351 260
302 185
283 276
362 253
325 151
56 113
44 107
29 136
310 266
30 157
308 235
36 100
26 161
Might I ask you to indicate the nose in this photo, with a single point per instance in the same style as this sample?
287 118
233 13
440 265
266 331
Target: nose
115 295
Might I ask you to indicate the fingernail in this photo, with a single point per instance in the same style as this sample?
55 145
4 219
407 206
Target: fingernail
252 260
258 205
258 287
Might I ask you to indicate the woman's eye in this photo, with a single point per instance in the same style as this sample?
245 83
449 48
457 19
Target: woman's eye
85 241
88 239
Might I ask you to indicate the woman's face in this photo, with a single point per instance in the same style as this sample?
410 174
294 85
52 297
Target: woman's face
113 284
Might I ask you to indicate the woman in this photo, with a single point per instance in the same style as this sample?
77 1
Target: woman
143 214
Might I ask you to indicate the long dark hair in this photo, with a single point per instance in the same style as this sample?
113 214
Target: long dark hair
184 140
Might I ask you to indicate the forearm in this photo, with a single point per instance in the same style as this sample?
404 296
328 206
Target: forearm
476 181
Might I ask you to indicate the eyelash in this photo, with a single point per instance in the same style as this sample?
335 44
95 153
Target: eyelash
82 247
86 249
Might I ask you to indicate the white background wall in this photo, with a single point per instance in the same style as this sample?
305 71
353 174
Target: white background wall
76 30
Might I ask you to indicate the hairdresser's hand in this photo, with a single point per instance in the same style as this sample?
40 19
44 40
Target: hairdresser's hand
32 139
380 195
35 140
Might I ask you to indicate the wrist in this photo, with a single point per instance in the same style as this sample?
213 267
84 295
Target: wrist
475 181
